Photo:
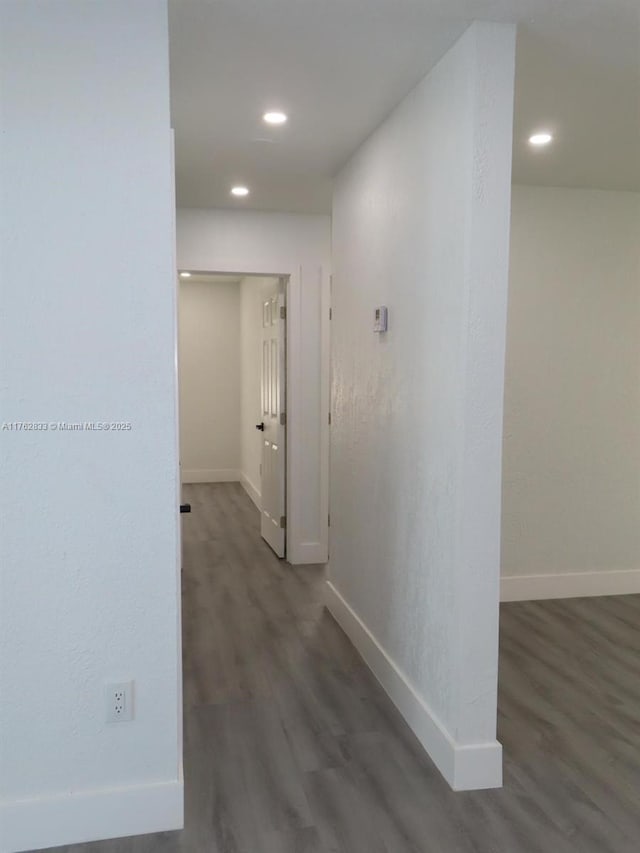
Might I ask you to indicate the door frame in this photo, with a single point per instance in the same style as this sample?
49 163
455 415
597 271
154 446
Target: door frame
298 551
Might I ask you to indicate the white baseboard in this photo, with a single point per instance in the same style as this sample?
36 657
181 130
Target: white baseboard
465 767
91 816
306 553
571 585
211 475
251 490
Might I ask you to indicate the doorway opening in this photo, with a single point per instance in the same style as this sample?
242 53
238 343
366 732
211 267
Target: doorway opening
233 388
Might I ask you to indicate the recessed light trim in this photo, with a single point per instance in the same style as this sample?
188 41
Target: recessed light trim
240 191
542 137
185 275
275 117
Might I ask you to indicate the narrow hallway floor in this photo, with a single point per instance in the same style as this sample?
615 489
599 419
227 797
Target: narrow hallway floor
291 746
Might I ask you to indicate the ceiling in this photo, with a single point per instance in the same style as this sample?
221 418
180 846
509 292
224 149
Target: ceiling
338 67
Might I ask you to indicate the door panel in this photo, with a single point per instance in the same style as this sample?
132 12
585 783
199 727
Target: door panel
273 406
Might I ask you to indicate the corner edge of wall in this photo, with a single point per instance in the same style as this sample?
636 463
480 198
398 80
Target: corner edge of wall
464 766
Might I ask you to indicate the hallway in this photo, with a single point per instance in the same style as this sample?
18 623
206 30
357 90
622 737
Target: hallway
292 747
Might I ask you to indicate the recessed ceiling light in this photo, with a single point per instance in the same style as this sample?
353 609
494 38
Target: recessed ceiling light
185 275
239 191
275 117
542 138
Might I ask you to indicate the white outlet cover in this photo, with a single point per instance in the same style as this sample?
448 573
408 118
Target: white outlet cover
119 702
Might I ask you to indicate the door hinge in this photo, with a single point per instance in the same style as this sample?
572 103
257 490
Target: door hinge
283 521
283 312
329 520
331 313
329 419
283 418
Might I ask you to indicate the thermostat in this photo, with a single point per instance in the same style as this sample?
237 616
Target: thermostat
380 321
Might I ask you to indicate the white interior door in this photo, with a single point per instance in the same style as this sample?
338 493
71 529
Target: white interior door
273 418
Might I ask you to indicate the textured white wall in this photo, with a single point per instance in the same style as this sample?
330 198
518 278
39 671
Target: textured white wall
572 393
299 246
251 299
89 538
209 362
421 224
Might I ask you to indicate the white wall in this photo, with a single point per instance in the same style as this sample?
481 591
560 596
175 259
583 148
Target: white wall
209 369
421 224
572 395
251 299
89 537
300 247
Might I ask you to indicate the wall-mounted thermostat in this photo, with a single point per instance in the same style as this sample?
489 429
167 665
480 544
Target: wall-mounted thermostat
380 322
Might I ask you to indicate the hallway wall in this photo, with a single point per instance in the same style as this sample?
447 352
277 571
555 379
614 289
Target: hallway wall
571 497
89 569
421 224
210 380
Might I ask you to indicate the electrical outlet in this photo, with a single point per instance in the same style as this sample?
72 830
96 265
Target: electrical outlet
119 699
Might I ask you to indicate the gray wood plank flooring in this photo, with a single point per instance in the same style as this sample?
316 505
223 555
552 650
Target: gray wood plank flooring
291 746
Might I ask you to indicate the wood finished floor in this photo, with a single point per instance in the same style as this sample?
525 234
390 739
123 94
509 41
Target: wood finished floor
292 747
